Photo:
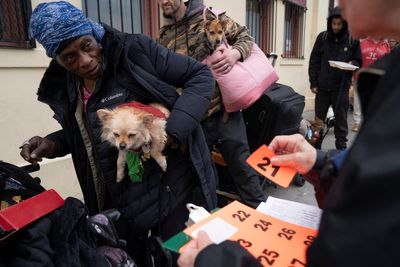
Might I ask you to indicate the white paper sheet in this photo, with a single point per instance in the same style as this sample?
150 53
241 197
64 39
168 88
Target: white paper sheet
342 65
293 212
218 230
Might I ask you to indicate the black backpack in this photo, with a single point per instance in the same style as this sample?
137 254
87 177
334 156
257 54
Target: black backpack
277 112
16 184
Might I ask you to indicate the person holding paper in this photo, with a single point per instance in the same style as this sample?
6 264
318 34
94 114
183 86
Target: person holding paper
331 85
361 218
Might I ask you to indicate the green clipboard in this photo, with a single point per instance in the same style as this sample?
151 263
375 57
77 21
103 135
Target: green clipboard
179 240
176 242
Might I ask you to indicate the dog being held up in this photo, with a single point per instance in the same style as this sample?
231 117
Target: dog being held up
217 31
138 128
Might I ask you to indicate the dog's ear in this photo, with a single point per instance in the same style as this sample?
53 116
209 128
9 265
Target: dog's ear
147 119
207 23
104 114
224 24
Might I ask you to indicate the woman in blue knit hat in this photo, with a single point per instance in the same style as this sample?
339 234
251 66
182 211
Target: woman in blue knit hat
95 66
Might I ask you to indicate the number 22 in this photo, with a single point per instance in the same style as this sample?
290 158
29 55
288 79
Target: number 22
239 215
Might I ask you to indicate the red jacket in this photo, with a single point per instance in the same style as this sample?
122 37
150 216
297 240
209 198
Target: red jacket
372 50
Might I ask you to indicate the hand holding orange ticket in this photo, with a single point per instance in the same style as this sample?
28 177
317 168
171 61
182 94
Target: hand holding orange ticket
272 241
260 160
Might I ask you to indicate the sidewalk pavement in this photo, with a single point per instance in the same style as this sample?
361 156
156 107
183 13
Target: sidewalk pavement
305 194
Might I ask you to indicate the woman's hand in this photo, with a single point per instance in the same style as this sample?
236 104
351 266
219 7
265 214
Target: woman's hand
188 257
34 149
293 151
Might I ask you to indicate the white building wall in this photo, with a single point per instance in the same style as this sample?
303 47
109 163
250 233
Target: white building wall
235 9
22 116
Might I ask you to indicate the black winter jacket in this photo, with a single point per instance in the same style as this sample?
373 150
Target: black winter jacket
361 218
338 47
138 69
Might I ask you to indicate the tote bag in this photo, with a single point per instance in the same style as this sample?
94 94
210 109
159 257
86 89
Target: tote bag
246 81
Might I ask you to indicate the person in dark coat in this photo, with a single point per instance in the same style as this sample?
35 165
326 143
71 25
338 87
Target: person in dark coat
94 66
360 210
331 85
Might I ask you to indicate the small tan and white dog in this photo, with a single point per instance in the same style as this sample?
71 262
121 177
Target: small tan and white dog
217 30
137 127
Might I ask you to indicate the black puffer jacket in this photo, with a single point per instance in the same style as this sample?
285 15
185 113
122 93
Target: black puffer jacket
331 46
137 69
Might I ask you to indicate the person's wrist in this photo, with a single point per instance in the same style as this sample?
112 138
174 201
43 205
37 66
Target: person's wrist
52 151
238 55
320 159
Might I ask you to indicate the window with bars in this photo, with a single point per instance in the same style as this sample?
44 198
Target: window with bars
14 22
293 43
131 16
260 19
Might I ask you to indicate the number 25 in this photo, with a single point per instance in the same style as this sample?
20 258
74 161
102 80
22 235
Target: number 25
269 256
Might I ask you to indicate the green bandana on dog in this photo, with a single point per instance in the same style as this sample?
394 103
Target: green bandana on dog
135 167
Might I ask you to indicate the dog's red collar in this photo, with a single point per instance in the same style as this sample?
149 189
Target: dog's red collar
147 108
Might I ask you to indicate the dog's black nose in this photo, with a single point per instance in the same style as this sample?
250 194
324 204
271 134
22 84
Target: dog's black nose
122 146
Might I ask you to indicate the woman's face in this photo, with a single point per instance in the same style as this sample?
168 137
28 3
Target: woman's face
82 57
370 17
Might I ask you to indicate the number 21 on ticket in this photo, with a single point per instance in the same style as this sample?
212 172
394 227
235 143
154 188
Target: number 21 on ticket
260 160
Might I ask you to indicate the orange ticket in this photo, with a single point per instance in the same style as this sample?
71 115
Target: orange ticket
270 240
260 160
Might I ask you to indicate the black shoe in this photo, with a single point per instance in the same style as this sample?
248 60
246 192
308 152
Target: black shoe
299 180
340 145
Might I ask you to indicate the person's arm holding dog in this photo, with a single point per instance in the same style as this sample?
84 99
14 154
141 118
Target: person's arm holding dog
241 44
193 77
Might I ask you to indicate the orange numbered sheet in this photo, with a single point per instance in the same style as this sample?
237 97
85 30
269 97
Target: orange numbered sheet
260 160
272 241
